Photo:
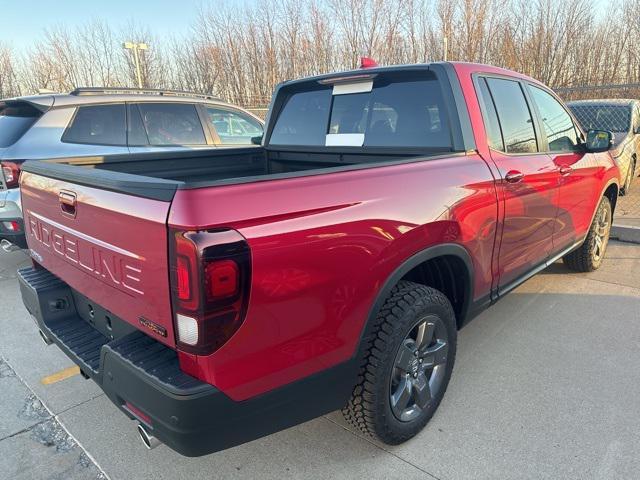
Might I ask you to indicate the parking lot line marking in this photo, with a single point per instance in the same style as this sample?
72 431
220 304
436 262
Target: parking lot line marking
61 375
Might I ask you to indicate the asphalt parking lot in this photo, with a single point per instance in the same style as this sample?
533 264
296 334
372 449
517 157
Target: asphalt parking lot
545 386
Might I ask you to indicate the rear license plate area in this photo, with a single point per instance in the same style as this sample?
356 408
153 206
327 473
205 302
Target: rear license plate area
101 319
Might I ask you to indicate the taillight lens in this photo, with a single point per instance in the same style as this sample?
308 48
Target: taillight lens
222 279
210 279
12 226
11 172
183 282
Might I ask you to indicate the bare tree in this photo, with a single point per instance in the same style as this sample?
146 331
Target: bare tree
241 53
9 86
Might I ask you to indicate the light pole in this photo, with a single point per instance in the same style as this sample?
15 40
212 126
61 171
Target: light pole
135 47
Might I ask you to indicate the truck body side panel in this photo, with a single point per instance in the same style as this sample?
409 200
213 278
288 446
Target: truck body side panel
323 246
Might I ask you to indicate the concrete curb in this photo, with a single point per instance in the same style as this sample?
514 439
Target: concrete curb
626 233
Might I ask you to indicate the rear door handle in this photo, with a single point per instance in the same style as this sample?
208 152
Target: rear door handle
565 170
514 176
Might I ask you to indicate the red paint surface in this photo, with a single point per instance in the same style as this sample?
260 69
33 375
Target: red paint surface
114 251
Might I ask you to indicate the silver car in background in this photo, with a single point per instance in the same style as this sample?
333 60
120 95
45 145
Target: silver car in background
622 117
105 122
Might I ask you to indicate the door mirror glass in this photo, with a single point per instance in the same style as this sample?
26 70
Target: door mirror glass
599 141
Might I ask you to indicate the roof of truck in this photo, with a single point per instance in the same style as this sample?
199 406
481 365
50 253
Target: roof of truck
458 66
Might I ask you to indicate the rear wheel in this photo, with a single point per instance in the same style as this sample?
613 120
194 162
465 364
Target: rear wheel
589 255
408 364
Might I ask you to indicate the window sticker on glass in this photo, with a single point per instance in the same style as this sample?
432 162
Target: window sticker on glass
356 87
344 139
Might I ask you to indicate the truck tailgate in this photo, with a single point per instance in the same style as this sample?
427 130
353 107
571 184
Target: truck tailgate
109 246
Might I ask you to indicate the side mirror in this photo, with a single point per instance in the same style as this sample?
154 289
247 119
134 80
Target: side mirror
256 140
598 141
636 130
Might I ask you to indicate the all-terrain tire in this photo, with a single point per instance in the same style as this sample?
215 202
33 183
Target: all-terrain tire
588 257
369 409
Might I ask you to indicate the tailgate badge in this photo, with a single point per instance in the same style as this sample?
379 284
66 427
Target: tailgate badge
35 255
154 327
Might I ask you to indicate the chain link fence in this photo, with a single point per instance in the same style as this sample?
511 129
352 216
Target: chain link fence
612 90
622 118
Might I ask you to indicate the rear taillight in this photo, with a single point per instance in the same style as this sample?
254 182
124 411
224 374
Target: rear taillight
12 226
11 172
210 281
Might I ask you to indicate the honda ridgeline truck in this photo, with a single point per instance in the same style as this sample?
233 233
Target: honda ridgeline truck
217 297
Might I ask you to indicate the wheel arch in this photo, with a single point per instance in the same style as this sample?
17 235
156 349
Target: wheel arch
430 254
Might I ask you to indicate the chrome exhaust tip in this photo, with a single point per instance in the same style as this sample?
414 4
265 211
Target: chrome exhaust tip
7 246
45 339
149 440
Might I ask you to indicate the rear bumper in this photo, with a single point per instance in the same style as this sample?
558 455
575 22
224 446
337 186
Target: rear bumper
191 417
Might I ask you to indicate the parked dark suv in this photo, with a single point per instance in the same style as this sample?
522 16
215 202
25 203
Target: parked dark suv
103 122
622 117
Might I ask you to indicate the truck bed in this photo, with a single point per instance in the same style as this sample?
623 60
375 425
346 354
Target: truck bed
158 175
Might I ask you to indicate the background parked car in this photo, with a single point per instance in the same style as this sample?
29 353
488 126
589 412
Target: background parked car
622 117
107 122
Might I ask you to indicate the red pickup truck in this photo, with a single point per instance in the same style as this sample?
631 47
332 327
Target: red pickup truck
217 297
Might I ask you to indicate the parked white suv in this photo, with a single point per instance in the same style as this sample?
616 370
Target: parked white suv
108 122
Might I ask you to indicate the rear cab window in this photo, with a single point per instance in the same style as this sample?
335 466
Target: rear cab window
399 110
15 119
98 125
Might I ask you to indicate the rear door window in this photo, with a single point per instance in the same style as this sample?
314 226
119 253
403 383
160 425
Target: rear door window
397 111
168 124
233 128
98 125
491 123
516 121
15 120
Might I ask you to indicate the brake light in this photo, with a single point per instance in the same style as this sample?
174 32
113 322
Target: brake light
210 280
183 285
11 172
367 62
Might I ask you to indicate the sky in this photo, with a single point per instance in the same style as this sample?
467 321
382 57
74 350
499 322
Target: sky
22 18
